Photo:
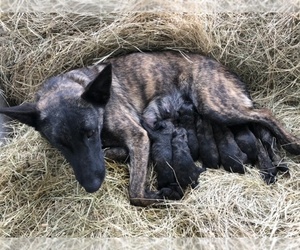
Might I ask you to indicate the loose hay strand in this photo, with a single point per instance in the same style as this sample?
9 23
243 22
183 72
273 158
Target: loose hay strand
39 196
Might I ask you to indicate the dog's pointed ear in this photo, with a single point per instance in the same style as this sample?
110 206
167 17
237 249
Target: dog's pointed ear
97 91
26 113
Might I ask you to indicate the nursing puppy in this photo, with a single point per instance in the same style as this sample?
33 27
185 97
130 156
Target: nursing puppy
269 142
246 141
267 169
100 106
187 121
231 156
208 150
187 173
175 107
161 152
164 107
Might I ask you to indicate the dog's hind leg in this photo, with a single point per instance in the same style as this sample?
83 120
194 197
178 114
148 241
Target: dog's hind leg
265 118
228 104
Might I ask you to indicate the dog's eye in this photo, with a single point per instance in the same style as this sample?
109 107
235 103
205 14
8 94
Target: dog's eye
90 133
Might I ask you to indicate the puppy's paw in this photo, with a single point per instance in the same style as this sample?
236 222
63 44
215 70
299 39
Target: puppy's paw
171 193
269 178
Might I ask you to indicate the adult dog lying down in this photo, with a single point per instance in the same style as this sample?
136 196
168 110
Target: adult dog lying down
73 109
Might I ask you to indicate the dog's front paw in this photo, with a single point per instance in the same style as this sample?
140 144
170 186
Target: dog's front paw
148 198
152 197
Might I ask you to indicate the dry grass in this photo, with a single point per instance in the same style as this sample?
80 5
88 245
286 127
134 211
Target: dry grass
39 196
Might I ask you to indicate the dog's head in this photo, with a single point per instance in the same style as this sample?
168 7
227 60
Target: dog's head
70 117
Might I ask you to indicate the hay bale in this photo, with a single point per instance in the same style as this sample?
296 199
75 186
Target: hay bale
39 196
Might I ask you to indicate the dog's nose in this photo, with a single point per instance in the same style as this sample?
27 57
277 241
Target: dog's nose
93 185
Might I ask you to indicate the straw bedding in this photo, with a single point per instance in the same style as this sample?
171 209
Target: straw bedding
39 195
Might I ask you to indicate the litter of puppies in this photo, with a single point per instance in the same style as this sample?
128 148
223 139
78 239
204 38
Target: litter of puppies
172 120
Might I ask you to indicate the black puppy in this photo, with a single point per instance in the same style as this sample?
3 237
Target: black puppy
246 141
231 156
270 144
163 107
208 150
187 173
268 171
186 120
161 151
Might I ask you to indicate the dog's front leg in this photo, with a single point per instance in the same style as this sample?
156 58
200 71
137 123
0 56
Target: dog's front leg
138 144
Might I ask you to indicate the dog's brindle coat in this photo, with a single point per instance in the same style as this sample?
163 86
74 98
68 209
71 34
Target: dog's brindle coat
72 109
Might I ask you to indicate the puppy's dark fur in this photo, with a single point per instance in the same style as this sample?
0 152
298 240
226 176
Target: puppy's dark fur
187 173
73 109
186 120
246 141
208 150
267 169
161 151
270 144
163 107
231 156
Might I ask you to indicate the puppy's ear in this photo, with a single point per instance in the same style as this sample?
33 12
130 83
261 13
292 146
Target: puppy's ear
97 91
160 125
26 113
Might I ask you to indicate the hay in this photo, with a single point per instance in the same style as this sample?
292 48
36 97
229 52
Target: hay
39 196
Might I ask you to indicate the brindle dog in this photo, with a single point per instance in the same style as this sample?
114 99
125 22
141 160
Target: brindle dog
73 109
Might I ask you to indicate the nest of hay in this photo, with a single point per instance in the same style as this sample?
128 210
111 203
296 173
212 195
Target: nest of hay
39 196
